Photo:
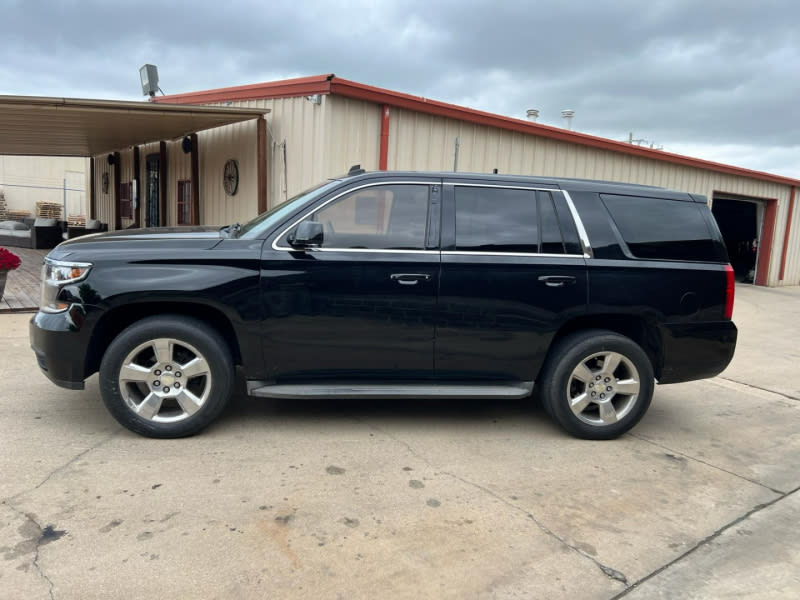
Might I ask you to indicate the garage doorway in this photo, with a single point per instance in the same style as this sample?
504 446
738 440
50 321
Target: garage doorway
747 225
740 222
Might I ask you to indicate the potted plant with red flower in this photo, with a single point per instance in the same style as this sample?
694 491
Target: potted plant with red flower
8 262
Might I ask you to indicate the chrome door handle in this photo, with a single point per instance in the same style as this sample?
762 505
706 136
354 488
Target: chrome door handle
557 280
409 278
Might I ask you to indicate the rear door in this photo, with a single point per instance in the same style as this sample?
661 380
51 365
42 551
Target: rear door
513 271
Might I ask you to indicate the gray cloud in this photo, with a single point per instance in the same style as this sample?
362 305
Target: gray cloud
716 78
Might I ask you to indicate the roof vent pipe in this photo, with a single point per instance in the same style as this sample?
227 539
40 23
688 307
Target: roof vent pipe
532 114
567 116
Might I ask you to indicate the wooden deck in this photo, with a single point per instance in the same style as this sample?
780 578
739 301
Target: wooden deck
22 286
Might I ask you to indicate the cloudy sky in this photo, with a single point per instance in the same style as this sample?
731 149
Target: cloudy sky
716 79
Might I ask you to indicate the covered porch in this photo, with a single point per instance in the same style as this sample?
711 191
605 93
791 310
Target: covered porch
131 147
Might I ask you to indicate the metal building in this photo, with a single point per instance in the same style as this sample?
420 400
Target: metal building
317 127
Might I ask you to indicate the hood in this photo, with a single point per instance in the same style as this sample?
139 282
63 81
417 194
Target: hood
151 239
151 233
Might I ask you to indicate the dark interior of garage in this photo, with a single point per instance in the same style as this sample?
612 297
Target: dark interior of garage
738 221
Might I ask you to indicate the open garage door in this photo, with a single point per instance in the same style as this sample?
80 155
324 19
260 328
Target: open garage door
748 227
741 222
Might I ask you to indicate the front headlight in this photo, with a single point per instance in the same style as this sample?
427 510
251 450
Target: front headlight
55 275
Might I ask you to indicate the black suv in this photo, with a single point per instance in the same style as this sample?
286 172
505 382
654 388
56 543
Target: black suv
400 285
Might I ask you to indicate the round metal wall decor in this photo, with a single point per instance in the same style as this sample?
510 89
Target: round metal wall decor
230 177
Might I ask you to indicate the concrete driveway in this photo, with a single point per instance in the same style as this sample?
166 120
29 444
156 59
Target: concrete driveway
411 500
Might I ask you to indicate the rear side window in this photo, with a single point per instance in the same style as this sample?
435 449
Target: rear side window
507 220
662 229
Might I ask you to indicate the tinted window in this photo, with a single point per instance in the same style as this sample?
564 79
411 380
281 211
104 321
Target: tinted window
662 229
552 242
378 217
569 232
496 220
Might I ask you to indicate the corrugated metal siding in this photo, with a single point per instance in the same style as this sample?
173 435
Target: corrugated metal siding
104 202
306 143
353 136
180 168
216 147
792 273
425 142
296 150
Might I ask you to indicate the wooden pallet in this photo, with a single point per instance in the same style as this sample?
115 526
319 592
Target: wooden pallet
77 220
48 210
18 215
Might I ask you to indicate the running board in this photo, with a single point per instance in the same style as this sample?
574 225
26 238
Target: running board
323 390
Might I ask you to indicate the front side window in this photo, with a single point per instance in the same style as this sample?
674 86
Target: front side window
381 217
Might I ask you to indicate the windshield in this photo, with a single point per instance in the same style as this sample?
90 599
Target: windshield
267 220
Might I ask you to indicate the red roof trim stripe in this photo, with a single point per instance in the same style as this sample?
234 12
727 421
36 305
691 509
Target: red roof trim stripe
329 84
289 88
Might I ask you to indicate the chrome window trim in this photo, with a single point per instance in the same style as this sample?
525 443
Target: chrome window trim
376 250
275 245
507 187
584 237
523 254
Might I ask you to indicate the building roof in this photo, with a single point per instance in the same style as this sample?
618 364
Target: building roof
330 84
32 125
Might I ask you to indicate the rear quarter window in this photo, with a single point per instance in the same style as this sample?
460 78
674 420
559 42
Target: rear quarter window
656 228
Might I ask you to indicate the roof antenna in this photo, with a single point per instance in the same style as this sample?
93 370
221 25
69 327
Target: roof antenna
355 170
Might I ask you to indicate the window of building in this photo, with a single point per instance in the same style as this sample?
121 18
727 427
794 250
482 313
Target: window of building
661 229
185 216
126 200
391 217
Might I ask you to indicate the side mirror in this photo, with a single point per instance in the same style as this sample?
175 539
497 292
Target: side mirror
307 234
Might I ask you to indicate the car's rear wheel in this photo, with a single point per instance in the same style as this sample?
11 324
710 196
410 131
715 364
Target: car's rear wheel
596 384
166 376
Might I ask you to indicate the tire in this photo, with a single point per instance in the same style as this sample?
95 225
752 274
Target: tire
166 376
578 366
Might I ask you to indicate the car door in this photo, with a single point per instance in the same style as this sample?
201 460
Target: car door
360 305
513 271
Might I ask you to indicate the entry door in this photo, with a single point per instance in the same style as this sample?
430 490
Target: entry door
512 272
360 306
152 190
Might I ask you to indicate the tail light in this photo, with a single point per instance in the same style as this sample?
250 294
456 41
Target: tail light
730 289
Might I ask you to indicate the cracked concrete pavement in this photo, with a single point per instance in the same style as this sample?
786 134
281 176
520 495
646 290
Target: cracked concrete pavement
360 499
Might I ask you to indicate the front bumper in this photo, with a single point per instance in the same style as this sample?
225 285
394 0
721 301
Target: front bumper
696 350
60 345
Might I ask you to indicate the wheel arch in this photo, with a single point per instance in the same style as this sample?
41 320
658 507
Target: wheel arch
115 320
639 329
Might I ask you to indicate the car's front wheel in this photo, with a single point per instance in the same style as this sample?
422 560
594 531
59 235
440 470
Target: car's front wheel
166 376
596 384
